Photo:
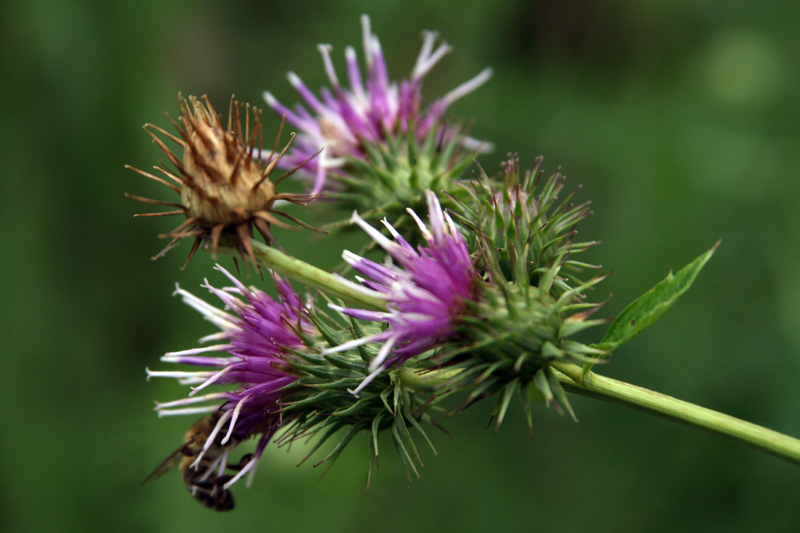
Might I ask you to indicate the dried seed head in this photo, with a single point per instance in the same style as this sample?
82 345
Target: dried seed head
223 180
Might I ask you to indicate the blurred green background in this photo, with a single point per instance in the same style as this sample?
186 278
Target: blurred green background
681 121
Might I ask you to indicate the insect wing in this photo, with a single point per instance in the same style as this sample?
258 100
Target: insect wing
166 465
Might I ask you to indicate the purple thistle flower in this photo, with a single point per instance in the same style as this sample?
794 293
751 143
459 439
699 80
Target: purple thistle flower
256 341
344 118
425 291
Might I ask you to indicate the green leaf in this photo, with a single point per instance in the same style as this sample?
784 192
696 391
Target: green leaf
649 307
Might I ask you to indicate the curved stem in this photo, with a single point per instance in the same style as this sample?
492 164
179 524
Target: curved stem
332 284
592 385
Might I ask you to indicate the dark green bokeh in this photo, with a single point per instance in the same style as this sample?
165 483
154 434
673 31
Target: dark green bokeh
680 119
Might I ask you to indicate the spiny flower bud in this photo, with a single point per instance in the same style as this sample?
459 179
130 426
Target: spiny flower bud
523 225
222 178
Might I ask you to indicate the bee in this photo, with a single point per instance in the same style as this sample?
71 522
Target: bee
202 477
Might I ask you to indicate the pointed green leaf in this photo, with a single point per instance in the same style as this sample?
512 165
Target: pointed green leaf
649 307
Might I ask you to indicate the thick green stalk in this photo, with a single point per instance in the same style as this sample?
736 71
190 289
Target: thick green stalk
592 385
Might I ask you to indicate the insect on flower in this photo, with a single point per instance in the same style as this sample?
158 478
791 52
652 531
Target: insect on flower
202 459
222 177
251 359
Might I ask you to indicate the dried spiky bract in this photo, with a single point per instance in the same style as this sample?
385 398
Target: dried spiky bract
223 180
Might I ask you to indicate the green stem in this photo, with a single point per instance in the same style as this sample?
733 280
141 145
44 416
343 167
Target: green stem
573 377
330 284
594 386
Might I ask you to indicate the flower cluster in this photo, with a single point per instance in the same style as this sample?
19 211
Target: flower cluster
503 328
483 297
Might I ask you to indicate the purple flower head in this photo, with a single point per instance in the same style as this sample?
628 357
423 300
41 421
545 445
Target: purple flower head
425 289
342 118
254 343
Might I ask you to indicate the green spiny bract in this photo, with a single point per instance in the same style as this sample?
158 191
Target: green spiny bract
395 174
527 230
531 301
320 403
512 337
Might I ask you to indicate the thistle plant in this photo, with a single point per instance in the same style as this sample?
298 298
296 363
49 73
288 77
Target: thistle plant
481 293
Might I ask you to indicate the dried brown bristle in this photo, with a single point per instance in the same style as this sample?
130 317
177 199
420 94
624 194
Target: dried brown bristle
223 180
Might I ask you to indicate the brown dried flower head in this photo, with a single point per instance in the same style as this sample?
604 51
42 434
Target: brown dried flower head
222 179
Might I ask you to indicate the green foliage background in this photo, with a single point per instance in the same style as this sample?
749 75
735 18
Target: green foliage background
681 121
